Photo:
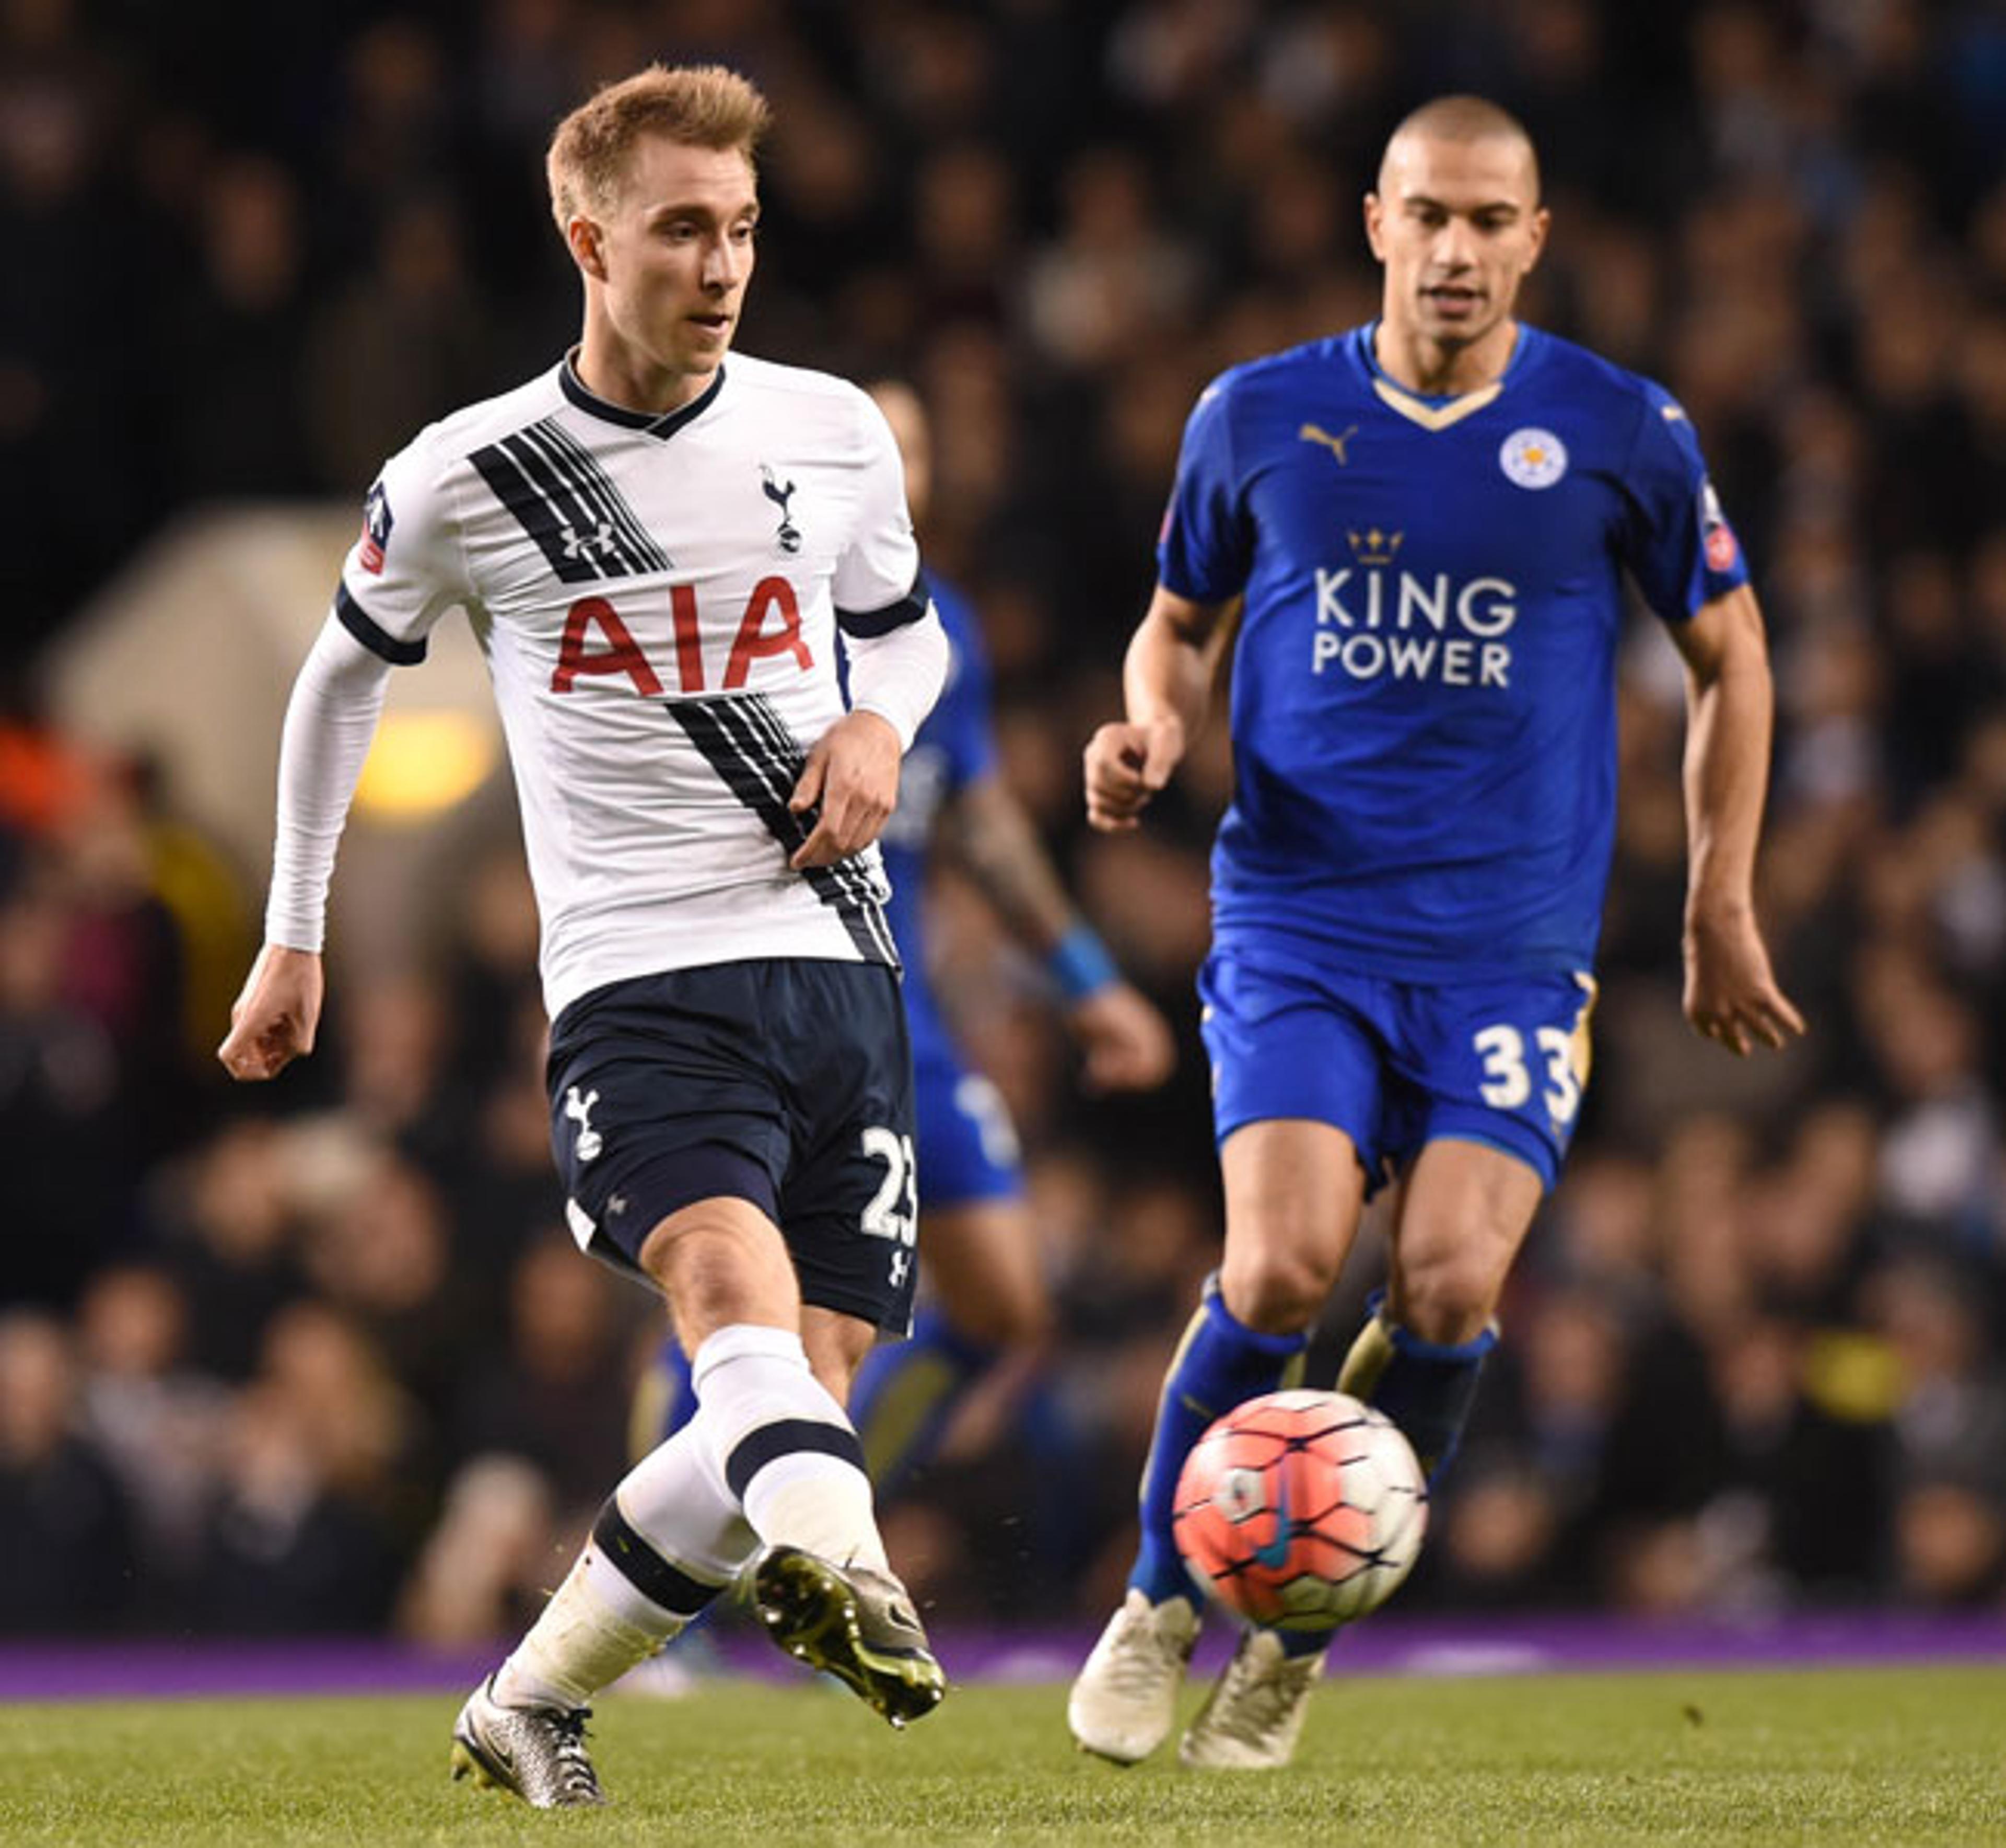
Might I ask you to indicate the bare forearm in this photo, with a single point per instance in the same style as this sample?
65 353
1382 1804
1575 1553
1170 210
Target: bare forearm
1168 670
1726 773
1002 850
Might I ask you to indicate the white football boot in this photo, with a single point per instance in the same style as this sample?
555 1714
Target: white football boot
1124 1700
536 1753
1254 1715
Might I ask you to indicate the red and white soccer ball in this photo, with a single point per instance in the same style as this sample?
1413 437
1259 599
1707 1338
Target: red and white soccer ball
1301 1510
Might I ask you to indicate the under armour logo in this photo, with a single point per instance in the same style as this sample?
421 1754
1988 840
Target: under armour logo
579 1109
582 545
902 1263
1313 433
790 534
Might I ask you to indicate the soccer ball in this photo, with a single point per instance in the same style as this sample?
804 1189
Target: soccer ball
1301 1510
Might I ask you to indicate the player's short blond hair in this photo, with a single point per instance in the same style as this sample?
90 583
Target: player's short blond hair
704 106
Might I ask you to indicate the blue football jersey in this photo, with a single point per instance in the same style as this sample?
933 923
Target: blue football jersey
953 747
1423 696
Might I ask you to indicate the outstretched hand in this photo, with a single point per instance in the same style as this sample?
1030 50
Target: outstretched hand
274 1019
1731 996
1126 765
852 777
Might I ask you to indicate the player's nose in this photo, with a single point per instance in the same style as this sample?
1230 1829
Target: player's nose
723 266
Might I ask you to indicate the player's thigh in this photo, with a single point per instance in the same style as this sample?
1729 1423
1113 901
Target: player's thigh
849 1205
662 1101
1298 1108
982 1268
721 1263
975 1238
1294 1191
1286 1044
1463 1214
1500 1063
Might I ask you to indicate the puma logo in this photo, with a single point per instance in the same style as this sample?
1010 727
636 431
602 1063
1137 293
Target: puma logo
1315 433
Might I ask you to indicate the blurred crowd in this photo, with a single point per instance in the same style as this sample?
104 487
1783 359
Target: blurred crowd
322 1356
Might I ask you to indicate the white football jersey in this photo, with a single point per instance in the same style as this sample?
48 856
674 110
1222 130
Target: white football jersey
657 598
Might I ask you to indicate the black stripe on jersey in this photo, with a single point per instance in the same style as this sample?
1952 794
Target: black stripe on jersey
771 740
765 743
586 513
909 608
581 469
659 1580
763 776
574 526
371 634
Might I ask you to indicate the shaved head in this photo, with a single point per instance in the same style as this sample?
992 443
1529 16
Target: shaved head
1462 119
1456 221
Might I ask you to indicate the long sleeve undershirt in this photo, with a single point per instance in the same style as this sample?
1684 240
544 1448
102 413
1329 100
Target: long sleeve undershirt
899 675
330 722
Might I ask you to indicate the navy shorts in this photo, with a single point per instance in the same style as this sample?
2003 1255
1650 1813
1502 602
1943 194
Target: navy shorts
968 1144
1397 1065
786 1082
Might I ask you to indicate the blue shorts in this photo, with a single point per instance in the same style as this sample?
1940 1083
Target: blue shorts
1397 1065
968 1144
785 1082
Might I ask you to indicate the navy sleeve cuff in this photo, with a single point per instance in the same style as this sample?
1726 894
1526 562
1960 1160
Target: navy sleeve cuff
372 635
909 609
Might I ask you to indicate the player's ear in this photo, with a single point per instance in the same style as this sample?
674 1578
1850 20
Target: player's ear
1541 220
587 245
1375 217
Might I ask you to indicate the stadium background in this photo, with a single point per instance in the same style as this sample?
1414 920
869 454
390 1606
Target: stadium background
321 1357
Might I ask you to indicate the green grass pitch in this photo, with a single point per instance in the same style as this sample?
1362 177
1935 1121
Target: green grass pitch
1900 1757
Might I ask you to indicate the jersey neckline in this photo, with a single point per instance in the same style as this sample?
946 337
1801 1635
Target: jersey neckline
1433 411
659 425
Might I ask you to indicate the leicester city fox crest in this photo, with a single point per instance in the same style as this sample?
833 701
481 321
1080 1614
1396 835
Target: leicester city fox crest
790 534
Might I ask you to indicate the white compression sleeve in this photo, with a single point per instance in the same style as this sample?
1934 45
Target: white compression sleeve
899 675
329 723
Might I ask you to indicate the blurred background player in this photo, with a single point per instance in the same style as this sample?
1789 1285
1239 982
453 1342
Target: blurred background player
1429 518
656 550
988 1292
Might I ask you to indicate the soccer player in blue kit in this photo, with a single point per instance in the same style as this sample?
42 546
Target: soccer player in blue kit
987 1293
1427 520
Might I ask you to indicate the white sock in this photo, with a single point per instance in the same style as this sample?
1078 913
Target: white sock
579 1645
669 1540
782 1446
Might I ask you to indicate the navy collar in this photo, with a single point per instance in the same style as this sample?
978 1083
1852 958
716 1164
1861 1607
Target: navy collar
662 424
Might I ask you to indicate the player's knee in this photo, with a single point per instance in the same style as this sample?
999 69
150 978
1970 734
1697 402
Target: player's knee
1449 1297
1277 1292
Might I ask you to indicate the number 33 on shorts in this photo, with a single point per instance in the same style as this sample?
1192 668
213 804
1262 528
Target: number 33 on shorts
1555 1058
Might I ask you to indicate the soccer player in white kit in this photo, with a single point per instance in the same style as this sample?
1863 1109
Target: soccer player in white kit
655 549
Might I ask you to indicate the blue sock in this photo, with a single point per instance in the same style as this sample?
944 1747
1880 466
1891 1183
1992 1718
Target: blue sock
906 1391
1427 1387
1220 1364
